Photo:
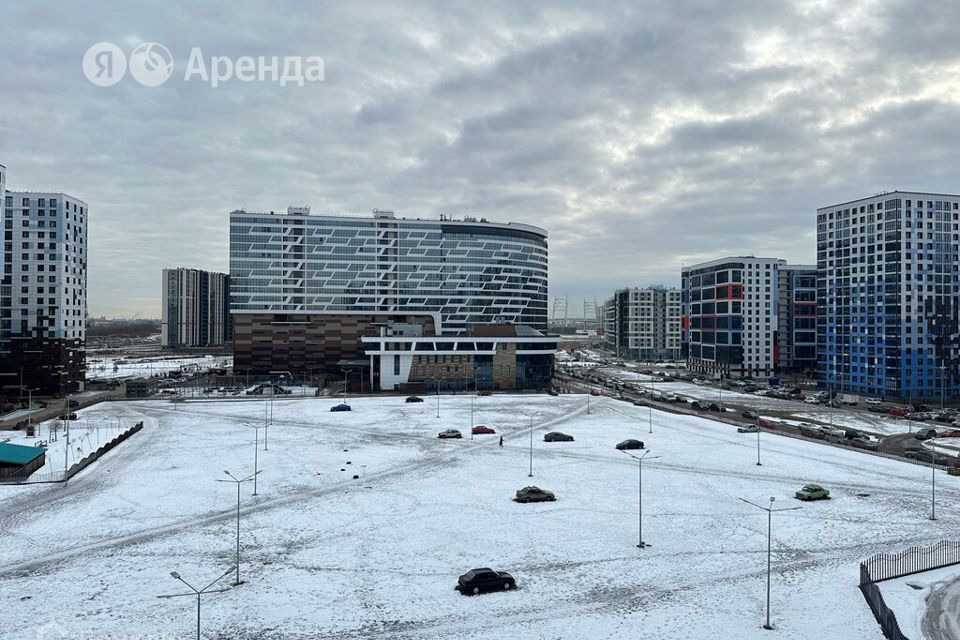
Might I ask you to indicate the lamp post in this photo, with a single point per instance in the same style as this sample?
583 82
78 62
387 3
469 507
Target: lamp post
238 482
30 410
472 396
346 372
933 480
640 543
758 446
530 474
196 592
66 450
769 510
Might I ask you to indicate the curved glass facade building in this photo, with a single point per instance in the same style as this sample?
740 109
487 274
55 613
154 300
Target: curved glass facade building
460 272
304 289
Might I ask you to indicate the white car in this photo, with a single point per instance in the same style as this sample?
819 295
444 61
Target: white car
750 428
812 401
873 401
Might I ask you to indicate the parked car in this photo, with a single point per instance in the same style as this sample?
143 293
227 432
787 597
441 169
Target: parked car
481 430
556 436
68 416
594 392
900 412
450 433
715 407
413 399
696 404
812 400
873 401
630 444
485 579
877 409
833 432
485 392
950 433
863 443
929 456
534 494
811 431
812 491
750 415
750 428
343 406
925 434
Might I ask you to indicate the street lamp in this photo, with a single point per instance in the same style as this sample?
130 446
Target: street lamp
769 511
933 480
238 482
346 372
758 446
640 543
197 593
530 474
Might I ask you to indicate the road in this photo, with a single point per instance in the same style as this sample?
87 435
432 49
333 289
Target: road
942 618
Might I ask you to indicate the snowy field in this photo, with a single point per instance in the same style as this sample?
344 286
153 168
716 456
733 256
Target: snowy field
103 368
328 556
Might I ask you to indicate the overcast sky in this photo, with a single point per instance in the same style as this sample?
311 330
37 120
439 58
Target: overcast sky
642 135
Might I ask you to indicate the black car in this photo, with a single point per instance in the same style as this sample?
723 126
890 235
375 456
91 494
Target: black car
484 579
925 434
928 456
556 436
630 444
413 399
715 407
878 409
749 415
534 494
343 406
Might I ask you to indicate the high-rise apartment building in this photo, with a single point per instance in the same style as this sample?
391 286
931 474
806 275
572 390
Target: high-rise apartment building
643 324
888 288
43 306
746 317
195 308
305 288
797 318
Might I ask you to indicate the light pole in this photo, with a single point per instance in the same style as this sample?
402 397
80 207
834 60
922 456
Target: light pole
346 372
197 593
30 410
472 396
530 475
758 446
640 543
769 511
66 450
933 480
238 482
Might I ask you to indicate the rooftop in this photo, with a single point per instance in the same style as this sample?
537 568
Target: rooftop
19 454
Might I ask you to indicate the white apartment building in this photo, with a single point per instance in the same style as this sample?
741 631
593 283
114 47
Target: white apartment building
43 321
730 318
644 324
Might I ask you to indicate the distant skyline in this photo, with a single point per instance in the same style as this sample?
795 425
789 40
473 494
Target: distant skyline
641 135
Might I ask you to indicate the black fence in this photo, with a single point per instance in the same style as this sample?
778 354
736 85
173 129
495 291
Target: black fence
886 566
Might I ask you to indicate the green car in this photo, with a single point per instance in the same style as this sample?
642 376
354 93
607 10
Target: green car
812 492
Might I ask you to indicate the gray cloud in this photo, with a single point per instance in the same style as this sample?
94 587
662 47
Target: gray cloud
643 135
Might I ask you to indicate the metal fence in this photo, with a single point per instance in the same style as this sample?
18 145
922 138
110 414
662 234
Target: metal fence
886 566
885 617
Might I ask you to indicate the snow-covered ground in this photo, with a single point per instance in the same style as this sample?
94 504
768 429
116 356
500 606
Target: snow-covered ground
328 556
908 597
101 368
